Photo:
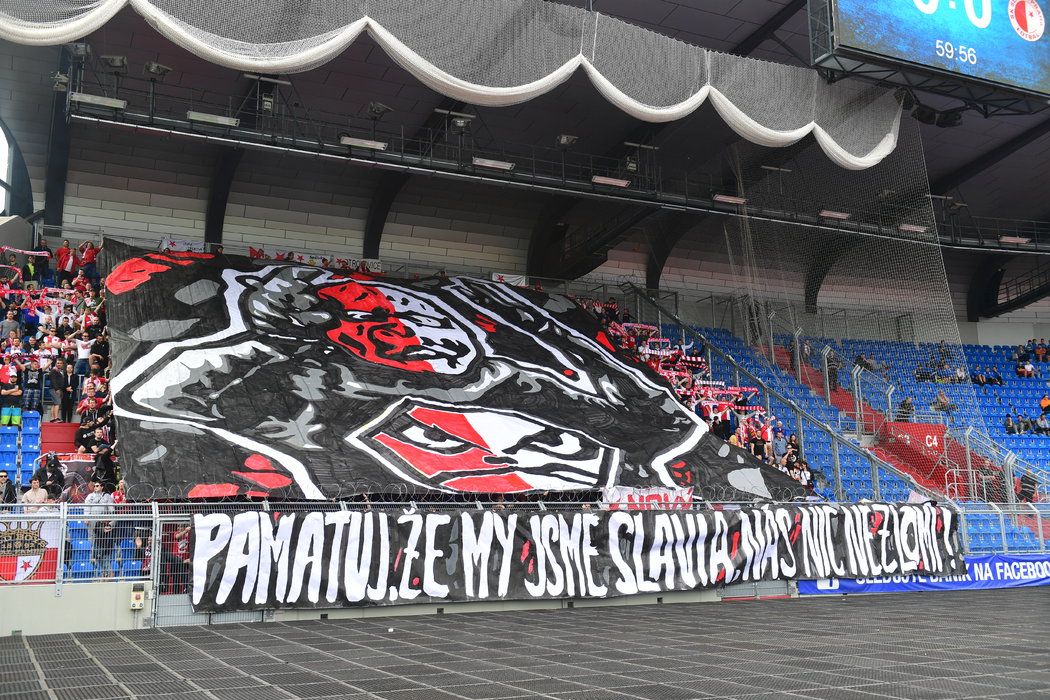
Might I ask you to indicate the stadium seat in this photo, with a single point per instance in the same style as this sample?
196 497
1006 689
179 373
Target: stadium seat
81 569
31 419
131 568
81 550
9 438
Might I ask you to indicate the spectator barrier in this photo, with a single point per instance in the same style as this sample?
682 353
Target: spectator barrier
65 545
886 481
983 572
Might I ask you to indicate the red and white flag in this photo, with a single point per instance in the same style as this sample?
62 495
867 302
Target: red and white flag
29 550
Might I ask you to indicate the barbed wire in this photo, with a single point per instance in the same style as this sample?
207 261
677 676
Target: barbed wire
365 494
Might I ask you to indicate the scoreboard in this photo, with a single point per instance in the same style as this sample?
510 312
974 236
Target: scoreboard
996 42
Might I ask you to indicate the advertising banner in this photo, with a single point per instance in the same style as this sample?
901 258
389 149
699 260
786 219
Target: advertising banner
654 498
992 571
258 560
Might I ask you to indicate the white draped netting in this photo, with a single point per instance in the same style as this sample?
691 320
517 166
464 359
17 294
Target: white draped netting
503 52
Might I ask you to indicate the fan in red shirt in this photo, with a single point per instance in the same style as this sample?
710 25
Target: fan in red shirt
68 262
81 281
88 253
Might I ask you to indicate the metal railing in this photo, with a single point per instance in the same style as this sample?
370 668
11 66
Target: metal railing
980 445
276 118
70 545
802 417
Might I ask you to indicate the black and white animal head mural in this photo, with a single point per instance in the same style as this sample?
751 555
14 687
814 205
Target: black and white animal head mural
239 377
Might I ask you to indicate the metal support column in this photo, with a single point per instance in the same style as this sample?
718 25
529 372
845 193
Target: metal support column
827 373
155 569
858 415
876 487
971 479
1008 478
964 531
840 493
772 345
798 355
801 435
63 533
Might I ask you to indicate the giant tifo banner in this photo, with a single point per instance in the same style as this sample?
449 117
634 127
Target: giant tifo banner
241 377
258 560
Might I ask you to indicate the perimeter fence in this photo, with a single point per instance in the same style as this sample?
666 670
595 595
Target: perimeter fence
66 544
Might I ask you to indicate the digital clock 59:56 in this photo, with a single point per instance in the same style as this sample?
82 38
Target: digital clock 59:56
963 54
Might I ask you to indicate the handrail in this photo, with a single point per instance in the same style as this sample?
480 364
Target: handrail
837 440
157 108
983 444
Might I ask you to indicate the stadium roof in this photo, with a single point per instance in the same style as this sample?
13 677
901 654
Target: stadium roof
998 166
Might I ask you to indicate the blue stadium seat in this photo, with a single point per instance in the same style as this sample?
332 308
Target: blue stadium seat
31 419
132 568
81 569
81 550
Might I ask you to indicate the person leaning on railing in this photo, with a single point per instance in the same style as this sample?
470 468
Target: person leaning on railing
906 410
943 404
35 498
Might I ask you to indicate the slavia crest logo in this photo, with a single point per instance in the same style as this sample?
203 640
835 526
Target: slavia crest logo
1027 18
22 548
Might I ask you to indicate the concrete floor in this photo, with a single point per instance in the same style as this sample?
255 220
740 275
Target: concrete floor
917 645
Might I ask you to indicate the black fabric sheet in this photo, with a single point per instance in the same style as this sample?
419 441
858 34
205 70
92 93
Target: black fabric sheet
259 560
235 377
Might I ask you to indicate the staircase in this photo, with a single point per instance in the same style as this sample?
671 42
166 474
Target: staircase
58 437
918 449
841 399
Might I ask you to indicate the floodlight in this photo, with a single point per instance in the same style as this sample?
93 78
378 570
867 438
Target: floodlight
267 79
79 50
566 140
838 215
155 70
60 82
98 100
730 199
362 143
611 181
116 64
494 164
453 113
216 119
376 110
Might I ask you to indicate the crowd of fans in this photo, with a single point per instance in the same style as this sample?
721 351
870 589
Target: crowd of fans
54 359
729 411
1027 356
940 368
